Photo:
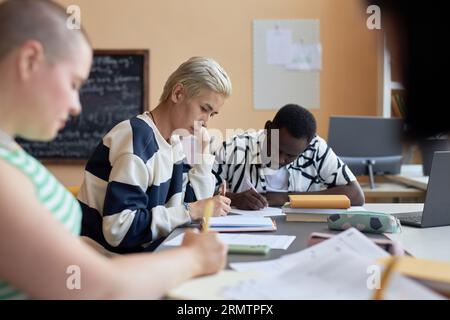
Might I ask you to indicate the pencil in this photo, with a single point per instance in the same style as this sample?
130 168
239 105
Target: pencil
209 207
379 293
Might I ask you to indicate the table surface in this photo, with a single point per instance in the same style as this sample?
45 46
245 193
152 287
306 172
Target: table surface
429 243
411 175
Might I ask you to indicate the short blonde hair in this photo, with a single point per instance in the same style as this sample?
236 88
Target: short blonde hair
198 73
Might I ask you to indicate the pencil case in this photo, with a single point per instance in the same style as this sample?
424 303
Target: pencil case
365 221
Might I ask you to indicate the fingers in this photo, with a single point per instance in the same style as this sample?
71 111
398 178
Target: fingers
222 206
190 234
215 253
210 250
249 200
261 198
225 200
256 201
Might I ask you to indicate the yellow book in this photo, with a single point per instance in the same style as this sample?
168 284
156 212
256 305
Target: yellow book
435 274
320 201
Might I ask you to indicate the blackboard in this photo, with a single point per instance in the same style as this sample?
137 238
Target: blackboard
116 90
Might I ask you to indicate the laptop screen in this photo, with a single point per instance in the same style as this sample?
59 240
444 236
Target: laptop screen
437 202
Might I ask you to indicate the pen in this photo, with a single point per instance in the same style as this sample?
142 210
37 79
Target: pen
223 188
209 207
385 278
250 185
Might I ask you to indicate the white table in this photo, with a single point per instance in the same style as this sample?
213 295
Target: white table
426 243
411 175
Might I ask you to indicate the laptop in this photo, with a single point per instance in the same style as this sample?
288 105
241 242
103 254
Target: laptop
436 210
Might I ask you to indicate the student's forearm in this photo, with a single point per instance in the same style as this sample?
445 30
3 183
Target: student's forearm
150 276
201 178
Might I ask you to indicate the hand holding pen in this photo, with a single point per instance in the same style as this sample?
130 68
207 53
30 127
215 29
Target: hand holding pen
250 199
221 205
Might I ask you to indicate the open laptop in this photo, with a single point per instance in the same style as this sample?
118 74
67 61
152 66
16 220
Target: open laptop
436 210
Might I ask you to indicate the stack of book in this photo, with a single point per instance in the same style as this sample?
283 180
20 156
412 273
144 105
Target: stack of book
316 208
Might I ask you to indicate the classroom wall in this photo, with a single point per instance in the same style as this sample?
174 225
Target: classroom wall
175 30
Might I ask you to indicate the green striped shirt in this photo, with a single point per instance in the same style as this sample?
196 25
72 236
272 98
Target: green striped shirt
54 196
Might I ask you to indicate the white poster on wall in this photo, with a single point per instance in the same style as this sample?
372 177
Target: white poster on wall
305 57
278 46
287 59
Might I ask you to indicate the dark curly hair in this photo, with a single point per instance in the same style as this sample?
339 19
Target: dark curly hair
299 122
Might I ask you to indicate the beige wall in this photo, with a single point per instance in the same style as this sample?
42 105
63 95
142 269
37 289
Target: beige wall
175 30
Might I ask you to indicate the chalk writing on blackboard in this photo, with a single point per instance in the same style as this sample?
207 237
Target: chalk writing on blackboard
117 89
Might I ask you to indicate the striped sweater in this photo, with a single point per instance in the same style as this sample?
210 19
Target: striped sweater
316 168
135 186
60 203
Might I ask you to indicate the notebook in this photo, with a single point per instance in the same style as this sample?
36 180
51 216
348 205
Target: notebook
313 214
241 224
319 201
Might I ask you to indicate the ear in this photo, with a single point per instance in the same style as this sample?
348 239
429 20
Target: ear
177 93
30 59
268 125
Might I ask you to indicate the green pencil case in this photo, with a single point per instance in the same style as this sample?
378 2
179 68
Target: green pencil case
365 221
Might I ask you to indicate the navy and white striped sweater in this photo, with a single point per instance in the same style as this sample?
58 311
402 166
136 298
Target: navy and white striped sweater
135 185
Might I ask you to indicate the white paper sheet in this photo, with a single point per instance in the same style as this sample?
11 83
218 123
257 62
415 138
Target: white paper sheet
278 44
339 268
266 212
305 57
350 239
336 274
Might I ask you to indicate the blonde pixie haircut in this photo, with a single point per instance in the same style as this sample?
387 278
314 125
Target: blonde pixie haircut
198 73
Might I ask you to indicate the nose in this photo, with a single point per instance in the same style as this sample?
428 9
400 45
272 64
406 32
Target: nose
204 121
75 108
282 160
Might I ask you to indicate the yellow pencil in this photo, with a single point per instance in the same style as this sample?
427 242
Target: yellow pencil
209 208
379 293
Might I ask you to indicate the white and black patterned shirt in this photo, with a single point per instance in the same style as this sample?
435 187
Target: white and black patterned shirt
317 168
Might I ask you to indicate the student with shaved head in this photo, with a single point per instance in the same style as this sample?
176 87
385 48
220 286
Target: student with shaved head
42 67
